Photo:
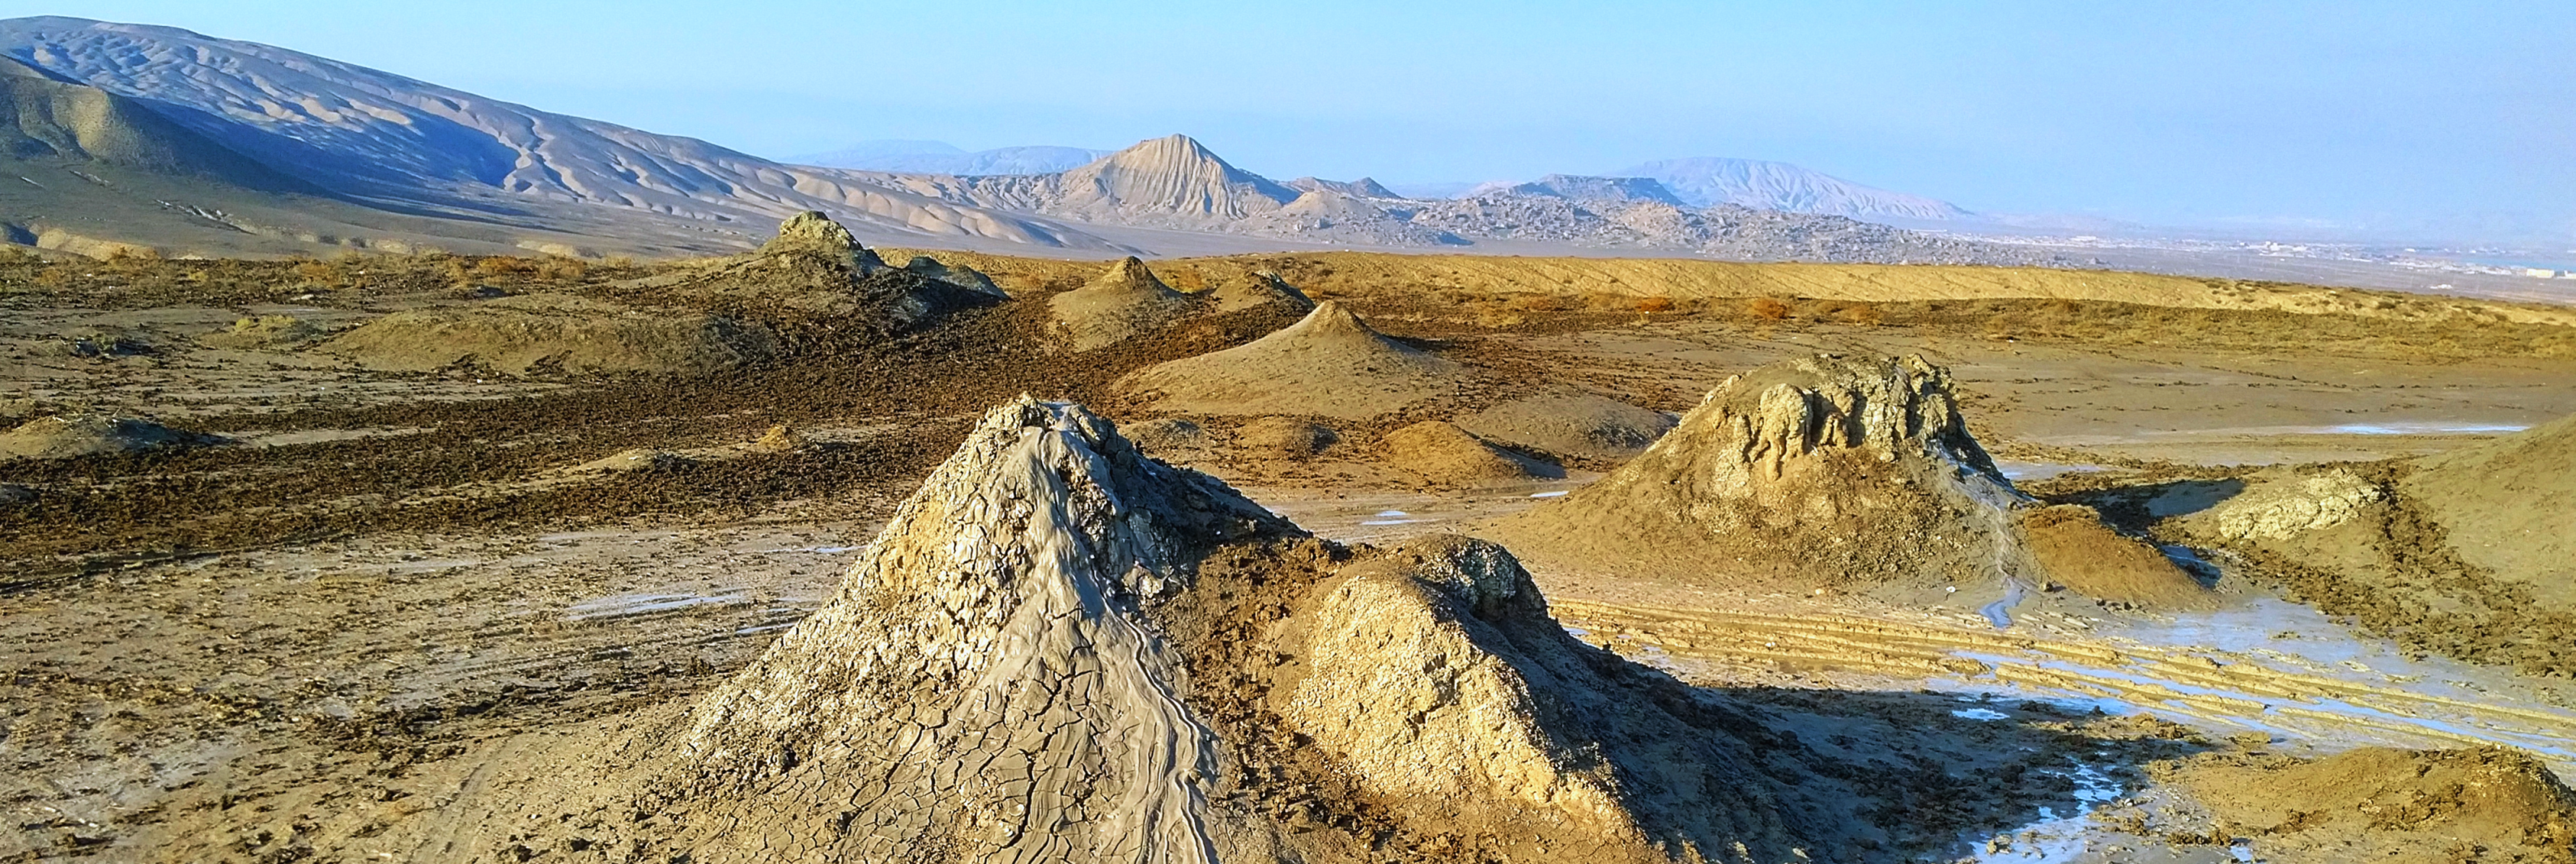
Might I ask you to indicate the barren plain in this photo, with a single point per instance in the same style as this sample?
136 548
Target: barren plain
358 559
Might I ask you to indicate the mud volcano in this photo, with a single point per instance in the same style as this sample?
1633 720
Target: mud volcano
816 270
1060 650
1328 364
1825 470
1122 303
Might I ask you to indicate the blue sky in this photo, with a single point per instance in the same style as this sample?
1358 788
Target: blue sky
2423 119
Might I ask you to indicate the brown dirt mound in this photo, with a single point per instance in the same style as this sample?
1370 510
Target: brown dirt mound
1570 423
1284 438
1125 302
1823 470
1441 454
1261 290
2380 804
2072 546
2466 554
524 342
958 275
1329 364
997 679
2509 506
90 434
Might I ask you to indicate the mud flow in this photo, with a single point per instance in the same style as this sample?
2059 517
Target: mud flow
803 555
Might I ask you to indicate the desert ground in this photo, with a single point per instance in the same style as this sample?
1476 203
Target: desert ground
359 559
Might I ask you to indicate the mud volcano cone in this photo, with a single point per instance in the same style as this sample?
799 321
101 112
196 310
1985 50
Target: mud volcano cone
1062 651
984 676
1327 364
1122 303
1829 470
816 270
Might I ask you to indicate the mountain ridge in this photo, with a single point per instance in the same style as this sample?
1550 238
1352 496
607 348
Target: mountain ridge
1710 180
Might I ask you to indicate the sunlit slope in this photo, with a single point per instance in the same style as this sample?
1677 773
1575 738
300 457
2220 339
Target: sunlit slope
1374 273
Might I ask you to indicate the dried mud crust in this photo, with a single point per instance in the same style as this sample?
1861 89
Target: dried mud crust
2350 540
2371 804
107 510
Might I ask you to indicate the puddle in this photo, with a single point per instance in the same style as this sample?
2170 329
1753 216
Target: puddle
2394 427
1556 494
1384 513
2055 839
2018 471
2283 669
628 605
1980 714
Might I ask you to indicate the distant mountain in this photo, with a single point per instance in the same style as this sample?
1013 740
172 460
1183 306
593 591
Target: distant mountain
87 171
1707 181
206 136
1360 188
391 139
1176 183
1580 188
935 157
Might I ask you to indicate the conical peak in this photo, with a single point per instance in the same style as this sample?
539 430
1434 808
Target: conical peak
1335 322
1128 275
1043 503
813 233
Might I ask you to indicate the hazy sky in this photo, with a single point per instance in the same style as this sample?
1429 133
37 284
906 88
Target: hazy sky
2428 117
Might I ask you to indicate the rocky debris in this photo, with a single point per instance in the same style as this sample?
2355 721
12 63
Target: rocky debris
1569 423
1122 303
2375 804
533 342
65 436
1262 290
959 275
2281 504
1283 438
265 331
781 438
2073 547
1441 454
105 346
1328 364
12 494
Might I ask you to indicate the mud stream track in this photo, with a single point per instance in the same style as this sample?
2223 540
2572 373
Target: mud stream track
2259 690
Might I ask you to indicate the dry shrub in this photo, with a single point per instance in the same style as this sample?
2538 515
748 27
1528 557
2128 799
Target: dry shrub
53 277
1536 303
131 259
562 269
503 265
319 273
1655 304
1766 308
1862 314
